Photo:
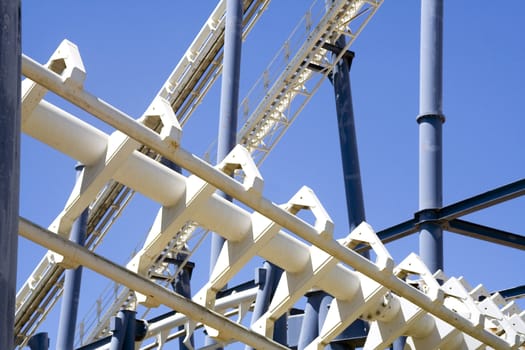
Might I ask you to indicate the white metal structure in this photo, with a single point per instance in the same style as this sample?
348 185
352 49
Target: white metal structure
429 314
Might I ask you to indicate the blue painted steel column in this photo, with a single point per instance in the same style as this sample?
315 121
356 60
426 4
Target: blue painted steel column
231 71
348 141
311 319
39 341
350 160
430 121
9 164
73 278
340 79
267 278
123 328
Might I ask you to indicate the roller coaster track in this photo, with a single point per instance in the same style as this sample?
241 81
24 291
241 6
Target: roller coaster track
184 89
288 78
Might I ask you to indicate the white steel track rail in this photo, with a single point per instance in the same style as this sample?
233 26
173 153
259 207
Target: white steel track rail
373 277
274 114
184 89
351 19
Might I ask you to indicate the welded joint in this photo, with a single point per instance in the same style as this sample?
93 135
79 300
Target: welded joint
240 159
412 265
430 117
429 216
160 112
365 234
305 198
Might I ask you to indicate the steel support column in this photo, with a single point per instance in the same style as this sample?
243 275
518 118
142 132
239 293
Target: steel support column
355 207
9 163
430 121
231 72
267 279
72 281
123 328
229 97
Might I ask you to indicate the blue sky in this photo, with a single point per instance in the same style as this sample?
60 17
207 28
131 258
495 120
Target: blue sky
129 49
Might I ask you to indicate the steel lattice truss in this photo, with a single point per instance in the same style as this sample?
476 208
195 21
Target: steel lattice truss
398 300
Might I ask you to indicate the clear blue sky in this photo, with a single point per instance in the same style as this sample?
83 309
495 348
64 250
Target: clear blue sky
129 49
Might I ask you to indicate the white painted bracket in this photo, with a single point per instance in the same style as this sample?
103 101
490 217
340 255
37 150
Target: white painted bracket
395 317
235 254
343 312
414 266
305 198
458 299
167 224
160 111
240 159
364 234
496 321
293 286
65 61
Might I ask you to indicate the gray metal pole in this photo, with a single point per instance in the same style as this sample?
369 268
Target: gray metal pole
9 163
73 278
231 71
39 341
430 121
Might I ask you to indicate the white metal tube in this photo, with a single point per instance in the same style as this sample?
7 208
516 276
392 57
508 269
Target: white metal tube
66 133
221 304
192 163
80 255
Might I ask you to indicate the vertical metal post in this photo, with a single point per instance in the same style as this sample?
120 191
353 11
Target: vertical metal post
430 121
72 281
123 329
181 285
267 278
9 163
350 159
39 341
340 79
231 71
310 324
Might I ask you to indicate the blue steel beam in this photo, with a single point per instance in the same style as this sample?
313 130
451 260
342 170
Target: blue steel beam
483 200
486 233
463 207
9 164
513 293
